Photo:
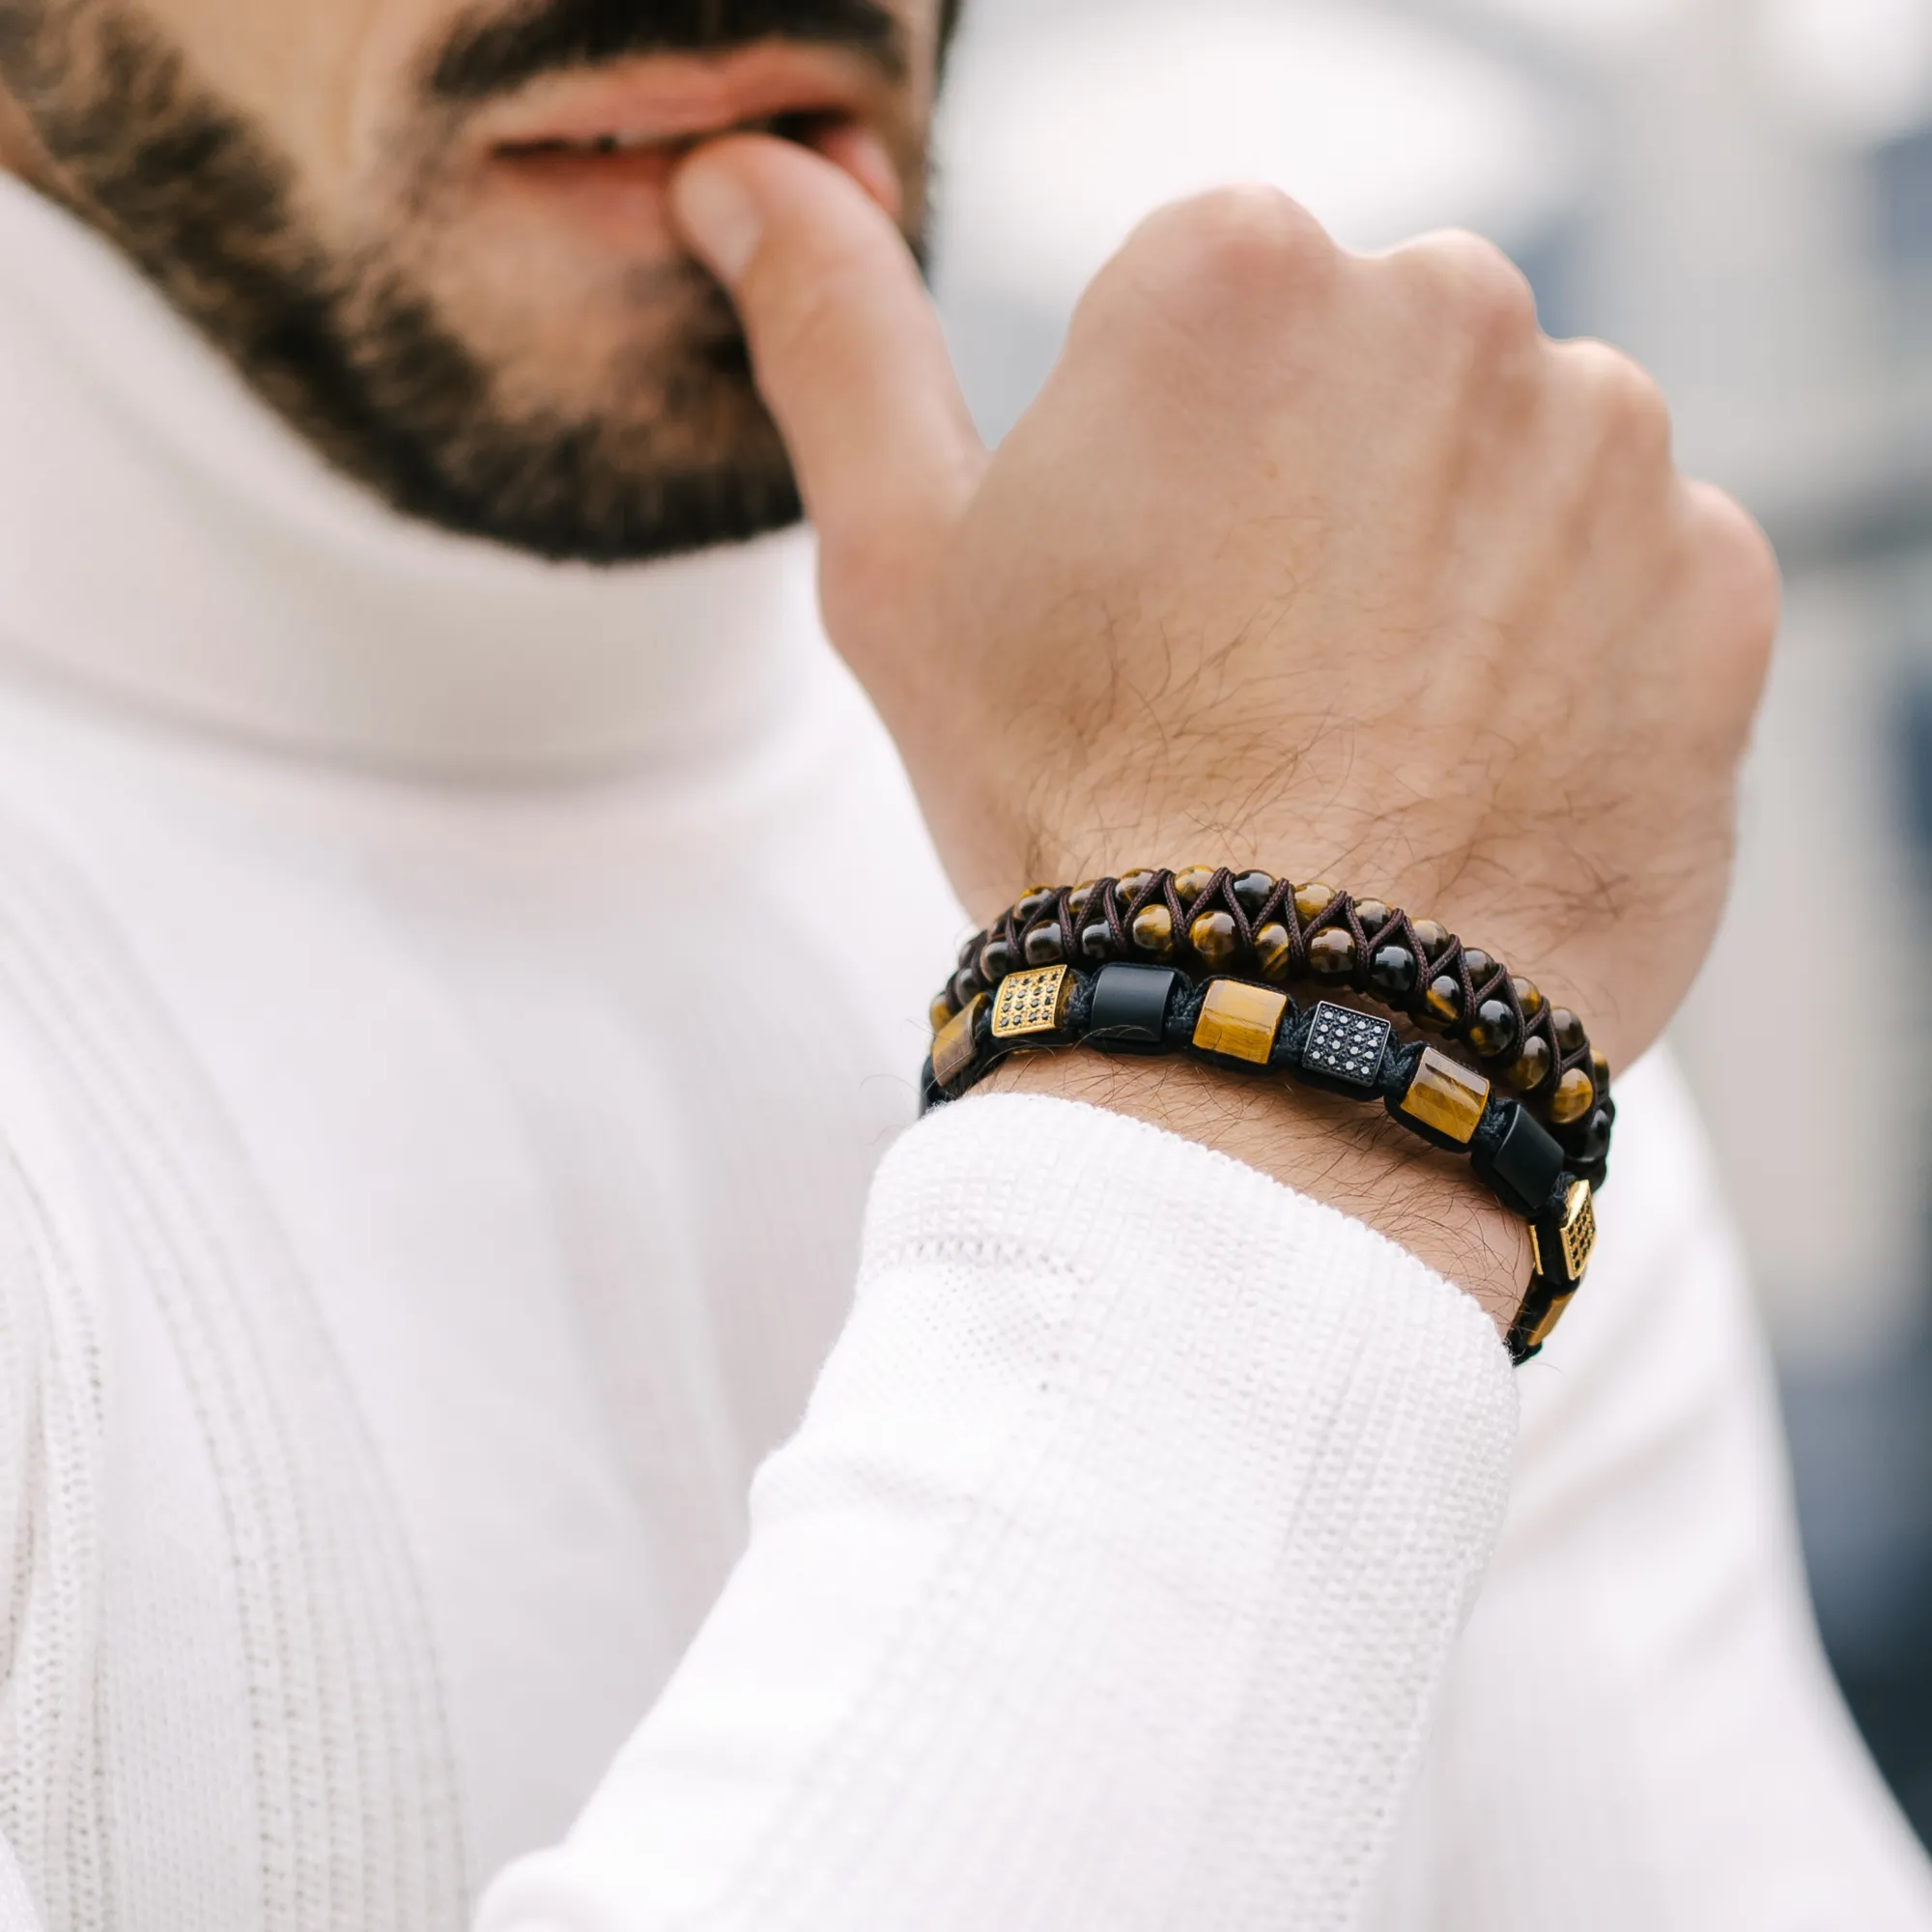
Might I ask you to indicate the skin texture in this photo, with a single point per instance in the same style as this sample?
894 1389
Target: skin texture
346 197
1329 564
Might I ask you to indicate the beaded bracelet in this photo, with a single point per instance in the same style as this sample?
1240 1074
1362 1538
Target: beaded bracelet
1255 925
1258 1029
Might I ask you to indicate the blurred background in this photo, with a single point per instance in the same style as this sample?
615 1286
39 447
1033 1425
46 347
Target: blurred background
1739 193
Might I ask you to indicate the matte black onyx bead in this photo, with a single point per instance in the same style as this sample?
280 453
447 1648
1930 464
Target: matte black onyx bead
1215 939
1592 1143
1045 945
1096 941
1441 1005
1188 886
1569 1031
1128 1014
1331 955
1036 901
1522 1167
1153 931
1251 892
1392 972
996 960
1274 951
1493 1031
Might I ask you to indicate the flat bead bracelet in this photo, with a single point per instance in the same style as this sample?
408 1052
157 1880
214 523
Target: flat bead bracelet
1257 1028
1256 926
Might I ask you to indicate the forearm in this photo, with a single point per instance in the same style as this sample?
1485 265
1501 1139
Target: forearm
1108 1582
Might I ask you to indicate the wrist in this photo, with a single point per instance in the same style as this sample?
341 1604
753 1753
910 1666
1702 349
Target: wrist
1321 1146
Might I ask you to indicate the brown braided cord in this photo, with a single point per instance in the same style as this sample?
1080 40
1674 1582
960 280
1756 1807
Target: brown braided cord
1050 911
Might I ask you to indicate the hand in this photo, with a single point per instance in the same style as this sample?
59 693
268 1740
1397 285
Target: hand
1328 564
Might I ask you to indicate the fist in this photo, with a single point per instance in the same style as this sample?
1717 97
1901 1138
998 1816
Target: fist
1331 565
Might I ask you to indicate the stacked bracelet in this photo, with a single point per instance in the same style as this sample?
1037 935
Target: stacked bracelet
1539 1172
1252 925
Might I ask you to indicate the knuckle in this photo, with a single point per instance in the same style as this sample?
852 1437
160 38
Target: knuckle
1235 242
1622 398
1471 284
1737 590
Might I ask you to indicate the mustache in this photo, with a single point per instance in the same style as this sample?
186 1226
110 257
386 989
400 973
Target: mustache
490 52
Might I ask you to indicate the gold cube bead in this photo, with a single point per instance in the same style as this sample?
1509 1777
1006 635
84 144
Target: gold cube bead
1574 1238
1240 1021
953 1048
1447 1097
1031 1004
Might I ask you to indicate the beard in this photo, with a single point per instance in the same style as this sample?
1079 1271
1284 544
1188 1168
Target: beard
660 445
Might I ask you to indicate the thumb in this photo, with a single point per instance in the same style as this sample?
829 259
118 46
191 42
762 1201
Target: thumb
844 342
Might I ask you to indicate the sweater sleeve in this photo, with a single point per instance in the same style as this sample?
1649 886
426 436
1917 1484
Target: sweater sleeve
1107 1583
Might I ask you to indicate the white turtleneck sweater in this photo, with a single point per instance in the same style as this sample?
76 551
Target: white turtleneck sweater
450 1029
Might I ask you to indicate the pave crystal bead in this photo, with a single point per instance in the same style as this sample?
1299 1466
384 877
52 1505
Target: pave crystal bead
1569 1031
1530 1068
1239 1022
1431 936
1097 942
1446 1097
1331 955
1441 1005
1215 939
1274 950
1251 892
1031 1004
1392 972
996 960
1574 1097
1311 901
1344 1048
1045 945
1153 931
1493 1031
1188 886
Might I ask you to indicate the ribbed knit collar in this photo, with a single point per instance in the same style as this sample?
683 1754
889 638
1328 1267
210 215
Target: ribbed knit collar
167 542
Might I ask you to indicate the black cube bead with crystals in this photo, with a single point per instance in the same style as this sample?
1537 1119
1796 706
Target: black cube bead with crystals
1344 1050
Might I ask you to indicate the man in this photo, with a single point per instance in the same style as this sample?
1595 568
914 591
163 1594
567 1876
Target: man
458 977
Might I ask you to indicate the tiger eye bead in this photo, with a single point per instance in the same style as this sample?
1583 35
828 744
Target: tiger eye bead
1600 1068
1097 942
942 1011
1311 901
1392 972
996 960
1569 1031
1373 915
1131 888
1594 1141
1188 886
1153 931
969 952
1214 938
1274 950
1574 1097
1441 1005
1530 1068
1045 945
1527 998
1493 1033
1332 955
1431 936
1039 899
1251 892
1482 968
1081 897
